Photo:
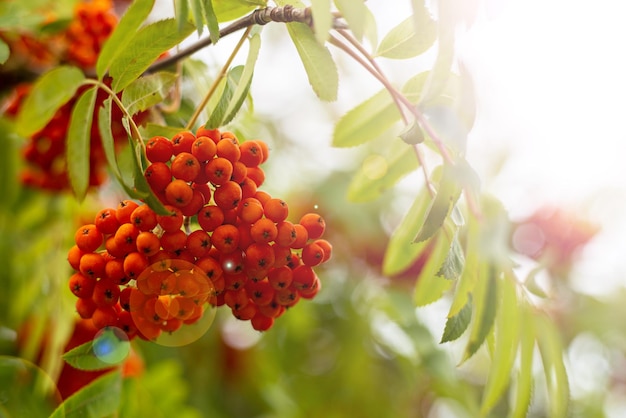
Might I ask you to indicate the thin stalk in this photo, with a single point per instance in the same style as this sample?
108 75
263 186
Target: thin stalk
218 79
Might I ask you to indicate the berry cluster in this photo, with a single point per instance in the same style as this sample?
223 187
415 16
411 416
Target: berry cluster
44 153
224 242
77 43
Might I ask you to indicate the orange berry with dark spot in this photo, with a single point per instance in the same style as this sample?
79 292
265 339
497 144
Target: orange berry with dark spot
182 142
178 193
88 238
314 224
218 170
251 153
172 221
264 230
106 221
276 209
225 238
124 209
185 167
228 195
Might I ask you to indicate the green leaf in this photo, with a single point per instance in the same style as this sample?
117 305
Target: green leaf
84 357
452 266
317 60
152 129
108 144
375 116
79 142
211 20
147 91
144 48
379 173
467 282
51 91
457 324
448 193
355 14
225 91
522 391
507 337
408 40
100 398
485 300
227 10
551 349
322 19
366 122
401 251
430 288
134 16
4 52
245 80
181 13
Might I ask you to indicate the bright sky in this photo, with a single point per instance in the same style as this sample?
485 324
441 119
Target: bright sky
551 84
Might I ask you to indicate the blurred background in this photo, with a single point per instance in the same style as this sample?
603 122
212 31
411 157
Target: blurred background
547 142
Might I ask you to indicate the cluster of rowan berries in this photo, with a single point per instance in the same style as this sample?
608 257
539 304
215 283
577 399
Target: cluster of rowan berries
222 242
77 43
44 153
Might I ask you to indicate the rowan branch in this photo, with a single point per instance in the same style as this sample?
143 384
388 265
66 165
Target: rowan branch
261 17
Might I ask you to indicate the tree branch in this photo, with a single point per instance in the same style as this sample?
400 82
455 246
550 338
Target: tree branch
284 14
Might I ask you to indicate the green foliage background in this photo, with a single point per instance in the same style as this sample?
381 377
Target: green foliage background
421 314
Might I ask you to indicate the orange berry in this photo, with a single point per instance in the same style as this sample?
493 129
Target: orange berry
124 209
178 193
251 153
182 142
312 254
125 238
148 243
256 174
198 243
250 210
218 170
261 322
81 286
264 230
73 256
105 293
210 217
280 277
203 148
327 247
195 204
106 221
158 175
185 166
159 149
144 218
174 241
92 265
214 134
276 209
225 238
228 148
302 236
88 238
260 292
228 195
314 224
259 257
114 270
173 221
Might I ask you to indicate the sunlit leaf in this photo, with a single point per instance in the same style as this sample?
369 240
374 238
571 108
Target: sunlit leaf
452 266
485 299
147 91
448 192
322 19
227 10
225 90
317 60
507 333
430 287
408 40
245 80
51 91
132 19
83 357
375 116
371 29
181 13
4 52
551 349
108 145
457 324
522 390
469 277
144 48
79 142
355 14
366 122
401 251
100 398
211 20
380 172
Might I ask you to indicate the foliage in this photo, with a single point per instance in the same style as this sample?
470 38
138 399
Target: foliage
361 347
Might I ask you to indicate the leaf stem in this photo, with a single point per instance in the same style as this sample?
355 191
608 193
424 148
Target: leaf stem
134 130
217 80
